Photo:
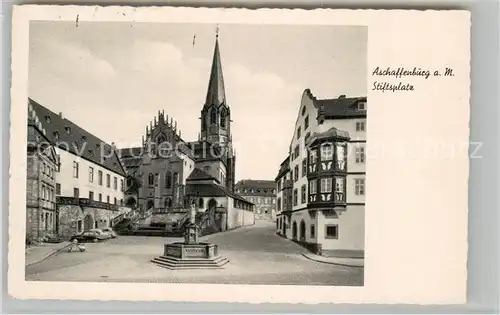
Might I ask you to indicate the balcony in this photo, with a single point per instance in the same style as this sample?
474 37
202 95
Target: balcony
85 202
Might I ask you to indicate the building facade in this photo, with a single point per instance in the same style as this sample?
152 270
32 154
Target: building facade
168 174
262 193
327 176
42 167
90 177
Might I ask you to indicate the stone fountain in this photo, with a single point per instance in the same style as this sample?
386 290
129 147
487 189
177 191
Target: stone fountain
191 254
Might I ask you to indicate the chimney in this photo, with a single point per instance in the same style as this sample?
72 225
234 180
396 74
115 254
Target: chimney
61 114
342 96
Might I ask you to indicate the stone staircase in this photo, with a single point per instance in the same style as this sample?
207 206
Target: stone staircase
189 264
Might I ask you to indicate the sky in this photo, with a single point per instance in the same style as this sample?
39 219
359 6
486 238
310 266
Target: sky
112 78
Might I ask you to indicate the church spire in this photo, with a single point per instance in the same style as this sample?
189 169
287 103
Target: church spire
216 94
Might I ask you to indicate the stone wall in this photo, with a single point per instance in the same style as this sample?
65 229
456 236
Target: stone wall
75 219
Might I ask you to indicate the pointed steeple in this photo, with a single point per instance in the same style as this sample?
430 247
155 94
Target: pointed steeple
216 94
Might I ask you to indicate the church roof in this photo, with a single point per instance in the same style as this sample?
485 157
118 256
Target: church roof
216 94
198 174
70 137
212 190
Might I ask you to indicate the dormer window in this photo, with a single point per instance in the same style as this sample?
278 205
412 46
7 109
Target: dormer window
47 119
67 129
361 105
56 135
84 138
91 152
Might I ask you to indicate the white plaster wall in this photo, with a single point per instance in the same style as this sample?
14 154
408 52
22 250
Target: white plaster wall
310 112
68 182
351 229
187 167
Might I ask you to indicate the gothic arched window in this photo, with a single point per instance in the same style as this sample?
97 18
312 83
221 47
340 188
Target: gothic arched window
176 179
223 118
200 203
213 116
168 179
151 179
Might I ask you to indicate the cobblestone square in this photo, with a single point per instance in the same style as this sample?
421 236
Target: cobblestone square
257 256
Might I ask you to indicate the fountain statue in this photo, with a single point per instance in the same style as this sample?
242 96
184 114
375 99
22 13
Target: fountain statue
191 254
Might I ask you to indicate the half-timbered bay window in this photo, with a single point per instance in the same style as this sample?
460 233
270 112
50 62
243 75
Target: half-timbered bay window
313 187
313 158
326 185
326 152
341 156
339 188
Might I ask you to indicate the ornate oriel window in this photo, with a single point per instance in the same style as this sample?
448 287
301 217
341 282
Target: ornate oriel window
340 156
326 152
326 185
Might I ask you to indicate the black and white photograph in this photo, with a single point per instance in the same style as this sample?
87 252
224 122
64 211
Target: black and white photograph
196 153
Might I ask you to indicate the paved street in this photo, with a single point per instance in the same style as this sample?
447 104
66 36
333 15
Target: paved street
257 256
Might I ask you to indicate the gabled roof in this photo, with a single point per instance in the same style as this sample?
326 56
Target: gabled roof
200 175
341 107
212 190
284 168
70 137
216 94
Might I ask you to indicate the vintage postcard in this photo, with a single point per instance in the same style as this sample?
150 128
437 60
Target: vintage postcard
257 156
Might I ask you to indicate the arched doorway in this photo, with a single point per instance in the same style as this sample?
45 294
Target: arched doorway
212 204
302 230
294 230
88 223
200 203
130 202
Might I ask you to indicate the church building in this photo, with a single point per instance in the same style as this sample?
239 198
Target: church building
168 174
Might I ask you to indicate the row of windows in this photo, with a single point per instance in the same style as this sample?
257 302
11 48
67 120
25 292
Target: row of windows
325 186
47 170
299 233
262 200
169 179
76 171
257 190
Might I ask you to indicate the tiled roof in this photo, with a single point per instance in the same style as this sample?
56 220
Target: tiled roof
212 190
251 183
198 174
340 107
284 168
68 136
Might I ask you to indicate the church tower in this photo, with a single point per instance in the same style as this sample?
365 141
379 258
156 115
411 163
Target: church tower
216 115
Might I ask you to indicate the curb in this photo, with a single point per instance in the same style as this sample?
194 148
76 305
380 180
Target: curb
49 255
310 257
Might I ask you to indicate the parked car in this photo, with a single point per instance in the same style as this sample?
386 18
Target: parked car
101 235
87 236
110 231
